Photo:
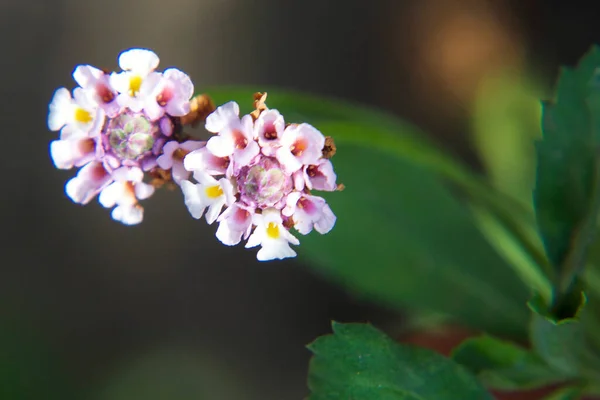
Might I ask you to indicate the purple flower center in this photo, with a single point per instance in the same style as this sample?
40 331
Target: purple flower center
131 136
264 184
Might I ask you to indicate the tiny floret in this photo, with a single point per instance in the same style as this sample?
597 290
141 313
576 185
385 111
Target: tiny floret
255 177
119 127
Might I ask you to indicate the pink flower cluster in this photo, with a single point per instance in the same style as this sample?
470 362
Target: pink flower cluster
254 178
117 126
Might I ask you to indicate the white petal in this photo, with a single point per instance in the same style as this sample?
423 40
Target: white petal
256 237
62 155
291 201
192 199
287 160
111 194
327 220
220 146
141 61
86 75
152 109
59 108
143 190
227 187
214 210
226 235
120 81
222 117
204 179
182 80
275 250
128 215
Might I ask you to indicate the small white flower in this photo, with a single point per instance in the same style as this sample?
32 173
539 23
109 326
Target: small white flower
235 137
72 152
268 129
76 114
234 224
88 182
273 237
207 193
204 160
138 67
168 93
309 211
173 155
125 193
96 83
300 145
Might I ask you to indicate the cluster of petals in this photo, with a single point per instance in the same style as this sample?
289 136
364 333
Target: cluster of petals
116 127
254 177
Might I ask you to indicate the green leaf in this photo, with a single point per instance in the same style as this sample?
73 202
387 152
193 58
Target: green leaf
563 343
503 365
360 362
402 238
505 123
566 195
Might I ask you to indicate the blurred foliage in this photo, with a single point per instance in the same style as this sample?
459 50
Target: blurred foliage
505 366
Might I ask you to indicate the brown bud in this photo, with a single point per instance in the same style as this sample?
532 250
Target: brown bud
288 223
200 107
259 104
162 177
329 149
340 187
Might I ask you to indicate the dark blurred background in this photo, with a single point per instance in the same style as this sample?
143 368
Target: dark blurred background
91 309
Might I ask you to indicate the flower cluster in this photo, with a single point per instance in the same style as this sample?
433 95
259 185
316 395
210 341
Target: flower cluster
255 176
117 126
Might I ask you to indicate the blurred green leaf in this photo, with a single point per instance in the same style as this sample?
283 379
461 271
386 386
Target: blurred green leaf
563 343
360 362
503 365
505 123
566 195
401 237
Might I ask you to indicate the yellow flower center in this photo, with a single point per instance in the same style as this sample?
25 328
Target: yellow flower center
273 230
214 191
82 116
135 82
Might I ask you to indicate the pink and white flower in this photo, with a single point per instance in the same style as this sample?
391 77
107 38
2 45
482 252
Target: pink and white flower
173 154
235 224
96 83
272 236
300 145
235 138
203 160
138 67
268 129
309 212
88 182
168 93
319 176
73 152
124 193
208 194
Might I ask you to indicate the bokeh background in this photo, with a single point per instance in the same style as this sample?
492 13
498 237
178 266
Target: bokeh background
90 309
